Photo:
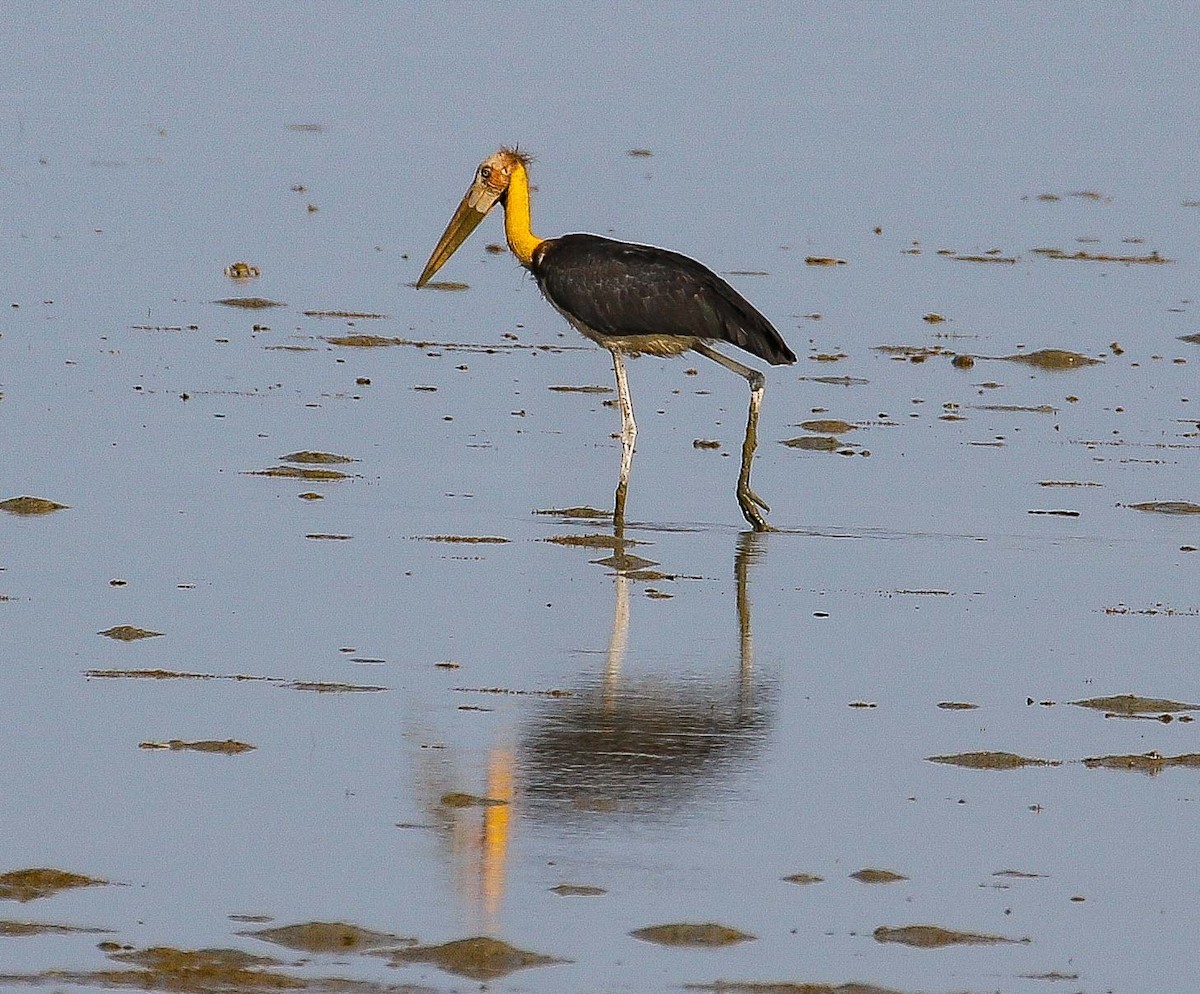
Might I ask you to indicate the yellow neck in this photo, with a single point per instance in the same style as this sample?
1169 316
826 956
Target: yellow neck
521 240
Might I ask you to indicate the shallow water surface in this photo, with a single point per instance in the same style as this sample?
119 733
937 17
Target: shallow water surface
325 667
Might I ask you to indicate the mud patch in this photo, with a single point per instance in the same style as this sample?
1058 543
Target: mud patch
1153 258
349 315
479 958
592 541
828 426
813 443
19 929
994 255
576 512
1167 507
328 937
322 687
446 286
38 882
31 505
128 633
1015 408
577 890
804 878
460 799
838 381
1150 763
464 539
300 473
228 747
869 875
169 675
709 934
250 303
1132 705
1057 359
309 456
991 760
936 937
200 971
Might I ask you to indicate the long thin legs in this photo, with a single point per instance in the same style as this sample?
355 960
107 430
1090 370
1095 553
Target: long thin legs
628 436
751 504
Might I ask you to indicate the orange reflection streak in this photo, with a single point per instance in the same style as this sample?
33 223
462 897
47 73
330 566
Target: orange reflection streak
497 828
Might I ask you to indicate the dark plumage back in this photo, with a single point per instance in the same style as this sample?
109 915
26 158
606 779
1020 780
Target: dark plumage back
618 289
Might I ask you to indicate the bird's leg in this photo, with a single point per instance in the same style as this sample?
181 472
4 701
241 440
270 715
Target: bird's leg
628 436
748 500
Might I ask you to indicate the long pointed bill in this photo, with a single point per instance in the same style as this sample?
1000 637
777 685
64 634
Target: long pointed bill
475 205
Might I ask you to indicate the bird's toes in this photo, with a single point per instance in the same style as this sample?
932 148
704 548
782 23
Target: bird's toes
750 503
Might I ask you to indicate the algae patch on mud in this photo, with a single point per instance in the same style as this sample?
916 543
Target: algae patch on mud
309 456
1167 506
199 971
813 443
300 473
327 937
1150 763
479 958
460 799
250 303
170 675
708 934
1131 704
1052 359
13 929
128 633
228 747
577 890
803 878
1151 259
936 937
331 687
30 505
464 539
37 882
828 426
575 512
870 875
991 760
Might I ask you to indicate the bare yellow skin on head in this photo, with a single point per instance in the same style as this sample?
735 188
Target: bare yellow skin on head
505 173
500 178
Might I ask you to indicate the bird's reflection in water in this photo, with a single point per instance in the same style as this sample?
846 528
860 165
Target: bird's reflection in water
620 746
641 746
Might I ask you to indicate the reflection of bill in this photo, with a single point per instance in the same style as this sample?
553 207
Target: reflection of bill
645 746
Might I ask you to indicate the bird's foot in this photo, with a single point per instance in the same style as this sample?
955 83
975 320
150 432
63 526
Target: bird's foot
750 504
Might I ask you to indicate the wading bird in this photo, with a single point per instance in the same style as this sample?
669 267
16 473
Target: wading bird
631 299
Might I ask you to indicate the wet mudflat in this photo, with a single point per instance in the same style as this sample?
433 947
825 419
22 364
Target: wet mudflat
325 668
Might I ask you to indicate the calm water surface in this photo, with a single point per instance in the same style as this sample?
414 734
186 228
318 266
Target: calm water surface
761 706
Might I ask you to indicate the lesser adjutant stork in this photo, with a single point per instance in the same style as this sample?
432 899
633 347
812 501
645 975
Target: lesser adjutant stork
631 299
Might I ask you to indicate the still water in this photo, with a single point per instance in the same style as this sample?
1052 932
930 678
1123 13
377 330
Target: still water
472 712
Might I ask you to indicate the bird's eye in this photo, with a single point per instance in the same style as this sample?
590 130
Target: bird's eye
485 172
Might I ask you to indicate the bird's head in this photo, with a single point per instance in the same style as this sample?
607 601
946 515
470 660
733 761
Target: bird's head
488 188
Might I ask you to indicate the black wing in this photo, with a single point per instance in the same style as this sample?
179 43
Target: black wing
618 289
